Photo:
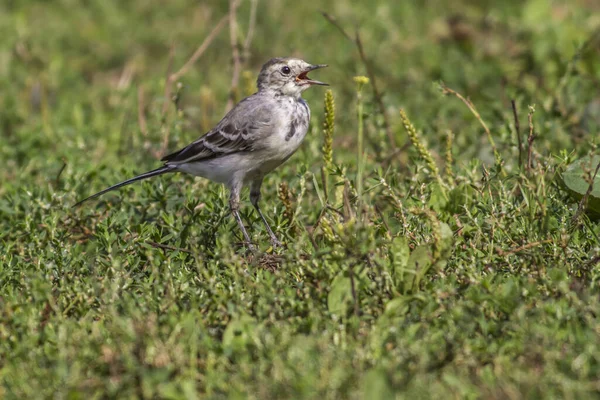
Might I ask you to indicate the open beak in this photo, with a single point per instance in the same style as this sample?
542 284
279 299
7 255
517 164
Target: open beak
304 79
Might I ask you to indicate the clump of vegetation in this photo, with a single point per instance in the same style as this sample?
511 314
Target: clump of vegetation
436 245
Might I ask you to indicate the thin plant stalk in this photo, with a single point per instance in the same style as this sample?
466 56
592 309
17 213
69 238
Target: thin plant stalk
360 81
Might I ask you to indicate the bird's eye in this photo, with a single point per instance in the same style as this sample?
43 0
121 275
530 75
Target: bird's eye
285 70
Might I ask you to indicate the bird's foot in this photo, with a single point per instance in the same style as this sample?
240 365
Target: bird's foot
249 246
275 242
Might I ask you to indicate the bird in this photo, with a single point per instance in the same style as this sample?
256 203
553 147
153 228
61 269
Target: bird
256 136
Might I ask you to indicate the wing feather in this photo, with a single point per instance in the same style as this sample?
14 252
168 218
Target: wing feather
239 131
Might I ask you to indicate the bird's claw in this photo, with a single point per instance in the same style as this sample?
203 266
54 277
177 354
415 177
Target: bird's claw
275 242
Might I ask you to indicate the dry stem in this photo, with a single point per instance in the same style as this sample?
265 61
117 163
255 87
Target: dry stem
518 132
378 96
173 77
235 52
530 139
446 90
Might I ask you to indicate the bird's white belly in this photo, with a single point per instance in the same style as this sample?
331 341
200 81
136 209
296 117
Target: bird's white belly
273 150
222 169
245 165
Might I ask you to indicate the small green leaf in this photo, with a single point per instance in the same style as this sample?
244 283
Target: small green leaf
239 333
575 182
376 385
397 307
419 262
340 295
459 198
438 199
447 236
399 255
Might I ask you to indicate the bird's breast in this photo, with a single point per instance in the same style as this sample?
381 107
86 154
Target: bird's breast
291 130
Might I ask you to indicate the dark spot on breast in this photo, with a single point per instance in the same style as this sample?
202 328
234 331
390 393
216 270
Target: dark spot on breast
292 131
304 104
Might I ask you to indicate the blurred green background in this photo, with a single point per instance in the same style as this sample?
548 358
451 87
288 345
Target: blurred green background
90 308
66 65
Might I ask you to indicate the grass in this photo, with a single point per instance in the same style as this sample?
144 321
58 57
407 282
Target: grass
455 266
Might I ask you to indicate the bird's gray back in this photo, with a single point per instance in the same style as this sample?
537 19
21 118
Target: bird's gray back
256 123
240 130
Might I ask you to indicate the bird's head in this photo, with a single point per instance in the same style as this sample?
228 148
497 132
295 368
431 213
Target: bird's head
287 76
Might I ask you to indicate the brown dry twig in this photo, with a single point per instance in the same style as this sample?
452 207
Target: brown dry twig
142 112
527 246
239 58
353 290
377 93
62 168
446 90
311 230
235 52
173 77
169 80
165 247
530 138
518 132
333 21
593 261
200 50
250 33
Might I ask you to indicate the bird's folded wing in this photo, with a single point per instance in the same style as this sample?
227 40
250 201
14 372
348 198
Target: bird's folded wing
240 130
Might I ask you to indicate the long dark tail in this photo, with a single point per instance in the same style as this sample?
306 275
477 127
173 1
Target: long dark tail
149 174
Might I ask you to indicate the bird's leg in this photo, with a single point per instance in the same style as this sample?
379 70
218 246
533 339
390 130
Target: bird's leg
234 205
254 199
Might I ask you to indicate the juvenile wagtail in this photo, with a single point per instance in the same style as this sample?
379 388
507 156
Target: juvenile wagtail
260 133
